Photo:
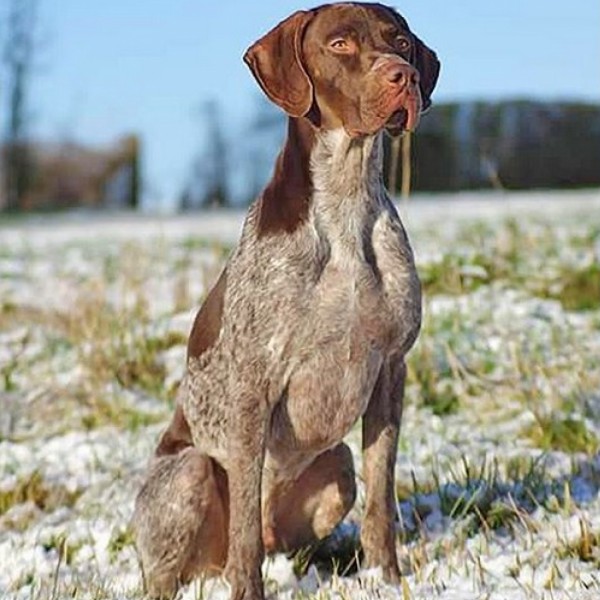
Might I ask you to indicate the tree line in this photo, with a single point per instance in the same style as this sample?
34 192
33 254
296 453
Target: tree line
513 144
470 145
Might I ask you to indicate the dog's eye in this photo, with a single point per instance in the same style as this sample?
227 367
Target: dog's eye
339 44
402 43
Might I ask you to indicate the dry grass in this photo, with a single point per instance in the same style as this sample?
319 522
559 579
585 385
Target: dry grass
501 423
34 489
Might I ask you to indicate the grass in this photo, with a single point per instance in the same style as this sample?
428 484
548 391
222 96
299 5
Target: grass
114 344
336 554
36 490
488 502
585 547
113 349
106 410
489 254
577 289
65 548
485 496
500 426
557 431
503 254
109 333
120 539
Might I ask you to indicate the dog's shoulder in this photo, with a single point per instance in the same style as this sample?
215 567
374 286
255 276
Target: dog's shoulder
207 324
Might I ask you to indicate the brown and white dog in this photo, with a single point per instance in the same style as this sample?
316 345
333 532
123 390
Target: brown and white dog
306 330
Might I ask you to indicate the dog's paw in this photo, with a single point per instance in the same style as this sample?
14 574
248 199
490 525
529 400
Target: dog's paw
244 586
386 561
391 574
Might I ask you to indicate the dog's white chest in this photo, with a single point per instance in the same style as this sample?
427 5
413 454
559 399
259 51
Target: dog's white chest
335 352
369 280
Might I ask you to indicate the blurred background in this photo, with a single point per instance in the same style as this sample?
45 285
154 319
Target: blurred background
148 105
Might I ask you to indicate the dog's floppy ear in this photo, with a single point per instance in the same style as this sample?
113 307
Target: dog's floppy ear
276 62
428 66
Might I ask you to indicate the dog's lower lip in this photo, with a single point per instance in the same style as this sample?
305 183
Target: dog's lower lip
407 113
397 117
397 121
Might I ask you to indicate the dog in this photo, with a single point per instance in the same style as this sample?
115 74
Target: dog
307 327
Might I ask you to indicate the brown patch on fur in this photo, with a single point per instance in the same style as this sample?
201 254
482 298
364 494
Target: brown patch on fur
310 508
284 203
177 436
276 62
207 324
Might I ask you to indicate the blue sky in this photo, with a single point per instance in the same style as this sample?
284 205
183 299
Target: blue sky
114 66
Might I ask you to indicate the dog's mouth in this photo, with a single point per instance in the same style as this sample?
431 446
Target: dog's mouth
404 114
396 124
406 117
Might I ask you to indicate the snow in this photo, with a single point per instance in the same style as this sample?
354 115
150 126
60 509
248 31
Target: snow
509 355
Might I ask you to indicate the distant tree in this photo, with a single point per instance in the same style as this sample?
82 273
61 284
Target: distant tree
209 186
511 144
18 52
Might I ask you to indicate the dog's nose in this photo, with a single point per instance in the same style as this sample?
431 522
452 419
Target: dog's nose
401 74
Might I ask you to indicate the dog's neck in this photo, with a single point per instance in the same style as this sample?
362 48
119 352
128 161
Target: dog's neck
346 176
329 168
344 167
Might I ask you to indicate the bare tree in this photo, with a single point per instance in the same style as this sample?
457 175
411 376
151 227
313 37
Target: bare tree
18 56
209 187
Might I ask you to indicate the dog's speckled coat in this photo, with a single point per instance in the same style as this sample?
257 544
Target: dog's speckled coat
304 333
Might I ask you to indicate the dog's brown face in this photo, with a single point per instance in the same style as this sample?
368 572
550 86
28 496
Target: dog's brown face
352 65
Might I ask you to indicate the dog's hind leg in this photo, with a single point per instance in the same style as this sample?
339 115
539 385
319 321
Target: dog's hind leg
180 521
309 508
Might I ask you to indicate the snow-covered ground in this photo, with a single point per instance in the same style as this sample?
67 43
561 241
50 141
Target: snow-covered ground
498 466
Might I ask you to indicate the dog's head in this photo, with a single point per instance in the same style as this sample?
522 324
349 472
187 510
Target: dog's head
351 65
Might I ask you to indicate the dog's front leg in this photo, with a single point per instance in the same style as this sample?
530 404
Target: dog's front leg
246 458
381 425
